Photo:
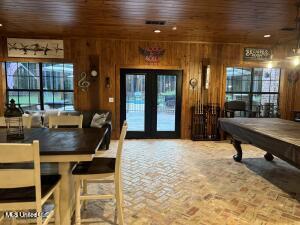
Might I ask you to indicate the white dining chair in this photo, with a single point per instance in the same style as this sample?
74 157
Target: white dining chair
101 170
56 121
2 121
23 187
26 121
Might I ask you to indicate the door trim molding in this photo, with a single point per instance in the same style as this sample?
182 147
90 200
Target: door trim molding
148 67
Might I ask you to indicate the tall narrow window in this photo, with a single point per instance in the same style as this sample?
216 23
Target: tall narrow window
39 86
257 87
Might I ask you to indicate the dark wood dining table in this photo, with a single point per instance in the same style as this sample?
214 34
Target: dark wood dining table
63 146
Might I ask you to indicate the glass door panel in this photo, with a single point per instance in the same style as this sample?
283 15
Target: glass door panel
166 103
135 102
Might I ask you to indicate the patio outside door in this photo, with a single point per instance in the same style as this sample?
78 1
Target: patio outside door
151 102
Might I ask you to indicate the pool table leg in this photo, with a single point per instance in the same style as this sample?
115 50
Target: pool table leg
268 156
237 145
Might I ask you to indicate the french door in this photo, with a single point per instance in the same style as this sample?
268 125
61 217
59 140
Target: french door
151 102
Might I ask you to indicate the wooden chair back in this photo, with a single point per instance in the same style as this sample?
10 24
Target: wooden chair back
120 149
56 121
234 106
18 177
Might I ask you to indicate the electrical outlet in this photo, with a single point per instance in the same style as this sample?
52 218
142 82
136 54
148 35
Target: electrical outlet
110 99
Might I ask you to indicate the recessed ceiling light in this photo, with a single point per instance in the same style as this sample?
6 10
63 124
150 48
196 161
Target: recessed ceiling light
174 28
267 35
157 31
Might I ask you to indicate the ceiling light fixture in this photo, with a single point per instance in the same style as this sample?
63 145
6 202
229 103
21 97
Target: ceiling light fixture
1 24
174 28
156 31
267 35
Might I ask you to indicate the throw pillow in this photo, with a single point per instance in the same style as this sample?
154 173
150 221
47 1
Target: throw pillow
36 119
99 120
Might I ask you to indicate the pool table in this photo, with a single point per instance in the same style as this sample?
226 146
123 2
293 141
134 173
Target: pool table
275 136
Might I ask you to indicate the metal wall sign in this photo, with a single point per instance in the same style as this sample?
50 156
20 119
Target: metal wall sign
257 54
35 48
152 54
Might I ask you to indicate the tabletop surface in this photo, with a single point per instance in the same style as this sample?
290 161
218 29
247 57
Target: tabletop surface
285 130
62 141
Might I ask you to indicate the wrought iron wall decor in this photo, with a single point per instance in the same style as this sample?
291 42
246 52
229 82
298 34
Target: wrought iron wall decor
107 82
152 54
293 76
83 83
35 48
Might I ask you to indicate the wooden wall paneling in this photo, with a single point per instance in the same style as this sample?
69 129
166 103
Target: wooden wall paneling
297 96
289 96
222 78
93 92
67 50
2 89
120 51
212 91
217 98
109 59
193 71
184 52
2 77
131 54
286 90
290 93
116 54
284 103
79 59
2 48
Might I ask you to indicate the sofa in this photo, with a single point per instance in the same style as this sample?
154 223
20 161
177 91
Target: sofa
41 119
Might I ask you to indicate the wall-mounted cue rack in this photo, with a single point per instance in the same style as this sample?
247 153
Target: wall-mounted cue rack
204 115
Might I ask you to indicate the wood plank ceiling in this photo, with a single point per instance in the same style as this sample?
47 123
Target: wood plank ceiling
236 21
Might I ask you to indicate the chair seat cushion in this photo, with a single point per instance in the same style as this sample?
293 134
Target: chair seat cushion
97 166
27 194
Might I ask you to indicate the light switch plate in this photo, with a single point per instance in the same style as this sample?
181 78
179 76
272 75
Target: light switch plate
110 99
